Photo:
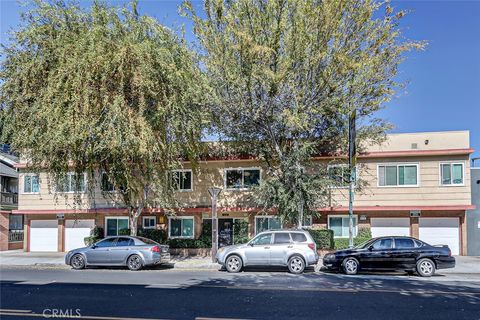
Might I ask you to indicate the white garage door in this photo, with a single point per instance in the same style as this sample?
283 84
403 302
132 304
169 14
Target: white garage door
390 227
43 235
441 231
75 232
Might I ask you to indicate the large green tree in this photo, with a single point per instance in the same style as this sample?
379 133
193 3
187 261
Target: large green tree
287 75
102 89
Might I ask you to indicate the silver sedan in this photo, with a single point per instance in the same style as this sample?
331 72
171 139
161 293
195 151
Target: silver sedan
133 252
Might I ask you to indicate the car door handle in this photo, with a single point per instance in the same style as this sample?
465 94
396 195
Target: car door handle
266 247
289 246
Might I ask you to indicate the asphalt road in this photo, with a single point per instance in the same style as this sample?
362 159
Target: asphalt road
28 293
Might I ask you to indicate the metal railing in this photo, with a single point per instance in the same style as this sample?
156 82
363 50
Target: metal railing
9 198
15 235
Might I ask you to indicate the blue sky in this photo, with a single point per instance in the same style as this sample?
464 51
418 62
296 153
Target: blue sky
444 80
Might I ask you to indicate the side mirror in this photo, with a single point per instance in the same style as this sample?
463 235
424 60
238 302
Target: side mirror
93 246
370 248
250 244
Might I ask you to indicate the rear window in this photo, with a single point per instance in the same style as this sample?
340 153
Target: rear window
122 242
298 237
146 241
404 243
418 243
281 238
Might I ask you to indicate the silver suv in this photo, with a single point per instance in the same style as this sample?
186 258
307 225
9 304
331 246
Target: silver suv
292 248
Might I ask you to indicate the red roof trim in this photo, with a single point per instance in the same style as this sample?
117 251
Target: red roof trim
253 209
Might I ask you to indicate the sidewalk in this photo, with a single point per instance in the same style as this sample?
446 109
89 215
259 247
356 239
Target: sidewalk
57 259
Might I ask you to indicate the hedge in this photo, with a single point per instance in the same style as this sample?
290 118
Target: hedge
323 238
240 232
363 235
96 234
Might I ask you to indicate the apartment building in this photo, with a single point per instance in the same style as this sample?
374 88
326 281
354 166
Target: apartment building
473 216
414 184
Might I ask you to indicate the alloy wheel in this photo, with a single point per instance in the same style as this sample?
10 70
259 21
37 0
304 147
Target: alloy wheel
296 265
134 263
78 262
351 266
426 267
234 264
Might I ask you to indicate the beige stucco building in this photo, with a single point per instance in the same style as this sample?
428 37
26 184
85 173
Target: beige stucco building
414 184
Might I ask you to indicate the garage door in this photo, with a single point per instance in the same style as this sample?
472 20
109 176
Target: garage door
441 231
390 227
75 232
43 235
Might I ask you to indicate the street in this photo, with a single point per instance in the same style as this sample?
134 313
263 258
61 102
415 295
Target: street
29 292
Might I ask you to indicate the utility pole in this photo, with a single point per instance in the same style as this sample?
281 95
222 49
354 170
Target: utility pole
352 161
214 192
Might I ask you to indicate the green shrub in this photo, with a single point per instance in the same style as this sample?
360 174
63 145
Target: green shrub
204 241
240 232
157 235
96 234
323 238
363 235
124 232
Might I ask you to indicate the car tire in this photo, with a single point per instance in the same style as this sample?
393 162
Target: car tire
296 264
78 261
350 266
233 263
425 267
134 262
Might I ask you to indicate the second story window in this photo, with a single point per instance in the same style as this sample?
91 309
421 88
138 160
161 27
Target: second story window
339 174
398 175
242 178
71 182
451 174
107 185
30 184
182 180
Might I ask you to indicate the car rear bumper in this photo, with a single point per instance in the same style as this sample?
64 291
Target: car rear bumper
445 262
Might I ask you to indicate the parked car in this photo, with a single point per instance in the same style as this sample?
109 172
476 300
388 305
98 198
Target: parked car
133 252
392 253
292 248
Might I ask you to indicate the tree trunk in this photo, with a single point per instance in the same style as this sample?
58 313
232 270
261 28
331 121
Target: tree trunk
134 214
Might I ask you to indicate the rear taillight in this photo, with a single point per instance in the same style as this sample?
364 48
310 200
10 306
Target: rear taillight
155 249
312 246
449 252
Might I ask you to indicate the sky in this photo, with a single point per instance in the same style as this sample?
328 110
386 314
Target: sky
443 91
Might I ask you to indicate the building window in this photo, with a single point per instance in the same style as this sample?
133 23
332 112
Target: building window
116 226
451 173
16 222
263 223
241 178
340 175
71 182
181 227
340 226
307 222
182 180
30 184
398 175
107 185
149 222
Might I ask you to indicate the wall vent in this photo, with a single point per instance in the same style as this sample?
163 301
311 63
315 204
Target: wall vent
414 146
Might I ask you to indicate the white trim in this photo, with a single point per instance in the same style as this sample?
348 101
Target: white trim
397 165
343 216
181 218
149 217
451 163
112 218
243 177
262 216
191 180
22 190
311 222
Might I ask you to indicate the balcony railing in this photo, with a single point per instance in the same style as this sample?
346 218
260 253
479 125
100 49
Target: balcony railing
9 198
15 235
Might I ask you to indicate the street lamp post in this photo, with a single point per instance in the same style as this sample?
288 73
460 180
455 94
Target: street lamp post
214 192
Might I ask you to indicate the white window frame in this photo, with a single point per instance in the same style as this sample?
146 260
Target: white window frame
262 217
116 218
344 165
451 163
355 227
398 172
191 180
149 217
182 218
84 182
30 175
311 222
243 177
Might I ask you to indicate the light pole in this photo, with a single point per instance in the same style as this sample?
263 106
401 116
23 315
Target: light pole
214 192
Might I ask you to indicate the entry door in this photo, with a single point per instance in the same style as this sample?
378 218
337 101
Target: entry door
225 232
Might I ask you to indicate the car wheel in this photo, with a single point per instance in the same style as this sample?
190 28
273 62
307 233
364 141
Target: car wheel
234 263
77 262
350 266
134 262
425 267
296 264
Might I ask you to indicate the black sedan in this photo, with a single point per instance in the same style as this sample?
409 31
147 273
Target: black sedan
391 253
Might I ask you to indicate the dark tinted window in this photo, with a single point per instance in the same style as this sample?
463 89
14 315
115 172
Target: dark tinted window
110 242
382 244
146 241
262 239
298 237
281 238
404 243
123 242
